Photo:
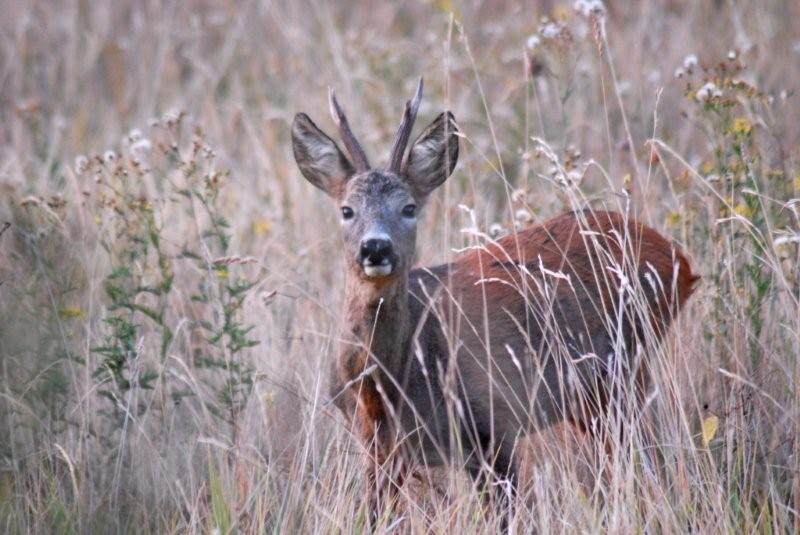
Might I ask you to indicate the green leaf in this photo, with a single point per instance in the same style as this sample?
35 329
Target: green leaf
147 378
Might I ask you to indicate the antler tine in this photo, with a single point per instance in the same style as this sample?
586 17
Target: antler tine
404 132
351 144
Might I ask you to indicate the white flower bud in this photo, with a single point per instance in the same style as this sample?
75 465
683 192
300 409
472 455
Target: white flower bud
81 164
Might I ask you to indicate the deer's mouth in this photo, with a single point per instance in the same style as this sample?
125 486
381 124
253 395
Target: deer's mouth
374 270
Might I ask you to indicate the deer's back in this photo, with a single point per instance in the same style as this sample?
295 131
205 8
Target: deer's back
567 296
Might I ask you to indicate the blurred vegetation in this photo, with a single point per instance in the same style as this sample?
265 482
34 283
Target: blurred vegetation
169 286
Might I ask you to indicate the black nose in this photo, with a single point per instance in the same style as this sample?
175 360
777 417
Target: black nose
375 250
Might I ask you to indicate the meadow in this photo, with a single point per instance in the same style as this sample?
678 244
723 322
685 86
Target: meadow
170 286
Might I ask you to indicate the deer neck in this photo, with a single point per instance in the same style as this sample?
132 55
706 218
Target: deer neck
377 316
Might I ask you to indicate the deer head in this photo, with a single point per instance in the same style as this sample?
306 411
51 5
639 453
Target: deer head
378 206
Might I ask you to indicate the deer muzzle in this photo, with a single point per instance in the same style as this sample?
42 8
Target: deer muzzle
376 256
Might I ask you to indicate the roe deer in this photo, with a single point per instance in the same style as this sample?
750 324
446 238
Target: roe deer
511 337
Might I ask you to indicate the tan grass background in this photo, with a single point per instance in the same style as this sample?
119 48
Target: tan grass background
76 77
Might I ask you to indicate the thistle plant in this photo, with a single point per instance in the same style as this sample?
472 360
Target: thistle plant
143 260
742 181
223 287
140 282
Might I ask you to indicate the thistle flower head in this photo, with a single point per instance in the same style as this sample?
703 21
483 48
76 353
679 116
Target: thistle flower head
708 91
589 8
690 62
496 230
81 164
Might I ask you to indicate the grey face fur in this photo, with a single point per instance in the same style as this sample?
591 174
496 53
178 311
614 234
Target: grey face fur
379 208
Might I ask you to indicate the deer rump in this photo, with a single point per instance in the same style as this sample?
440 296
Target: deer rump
527 332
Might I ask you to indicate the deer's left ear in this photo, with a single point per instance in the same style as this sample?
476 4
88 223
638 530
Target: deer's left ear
433 156
318 156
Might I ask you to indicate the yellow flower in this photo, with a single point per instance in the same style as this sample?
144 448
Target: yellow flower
222 272
561 12
73 312
490 164
261 226
707 167
743 210
447 6
673 219
710 426
741 126
627 181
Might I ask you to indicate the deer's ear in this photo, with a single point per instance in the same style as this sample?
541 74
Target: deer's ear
318 156
433 156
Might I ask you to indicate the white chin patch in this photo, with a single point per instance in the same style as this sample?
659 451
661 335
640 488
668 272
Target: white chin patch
378 271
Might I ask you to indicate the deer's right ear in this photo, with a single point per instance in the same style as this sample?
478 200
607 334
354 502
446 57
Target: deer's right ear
318 156
433 156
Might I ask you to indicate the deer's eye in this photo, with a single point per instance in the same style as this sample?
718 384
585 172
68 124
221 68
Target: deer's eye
409 210
347 213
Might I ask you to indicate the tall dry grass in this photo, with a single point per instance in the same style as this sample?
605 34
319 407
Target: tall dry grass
158 228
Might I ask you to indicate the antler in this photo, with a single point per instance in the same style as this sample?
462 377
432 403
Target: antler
404 132
351 144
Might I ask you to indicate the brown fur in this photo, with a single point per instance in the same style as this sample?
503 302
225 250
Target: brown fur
460 361
486 317
562 248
